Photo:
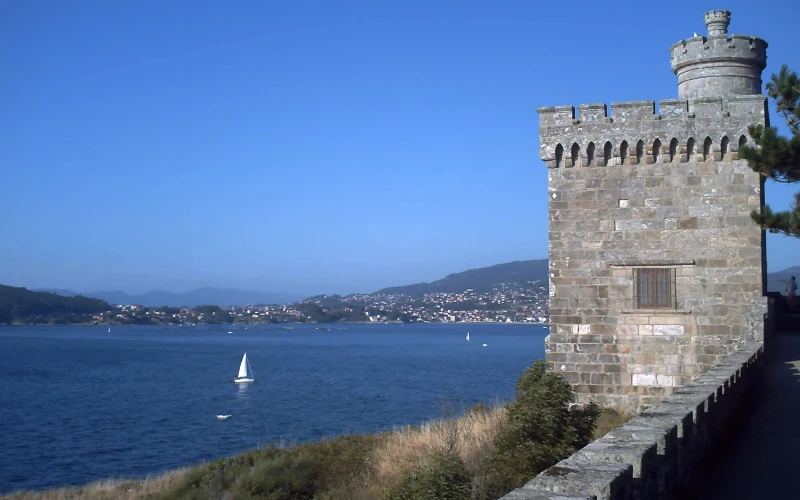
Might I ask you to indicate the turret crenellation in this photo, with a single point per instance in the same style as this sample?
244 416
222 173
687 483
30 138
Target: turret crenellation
721 64
717 22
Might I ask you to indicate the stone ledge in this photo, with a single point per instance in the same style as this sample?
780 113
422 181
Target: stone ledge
528 494
651 263
663 452
579 476
656 312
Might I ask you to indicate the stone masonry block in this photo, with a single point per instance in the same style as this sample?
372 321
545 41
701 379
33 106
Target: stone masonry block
644 379
606 481
613 450
668 330
529 494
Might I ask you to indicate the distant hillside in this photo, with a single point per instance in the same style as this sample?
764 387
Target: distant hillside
20 305
478 279
202 296
776 282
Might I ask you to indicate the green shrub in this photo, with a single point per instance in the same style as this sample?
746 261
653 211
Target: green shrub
284 477
274 473
540 430
443 476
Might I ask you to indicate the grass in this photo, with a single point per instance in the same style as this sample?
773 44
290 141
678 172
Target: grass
470 437
107 489
610 419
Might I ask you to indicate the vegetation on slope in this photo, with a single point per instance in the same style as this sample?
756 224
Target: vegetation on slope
480 455
20 305
478 279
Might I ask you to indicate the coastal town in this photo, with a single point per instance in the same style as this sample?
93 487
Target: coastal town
502 303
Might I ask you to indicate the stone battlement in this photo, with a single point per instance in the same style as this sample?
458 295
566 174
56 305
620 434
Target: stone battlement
749 49
684 129
720 64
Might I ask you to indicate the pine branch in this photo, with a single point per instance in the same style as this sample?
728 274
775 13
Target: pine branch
776 157
785 90
786 222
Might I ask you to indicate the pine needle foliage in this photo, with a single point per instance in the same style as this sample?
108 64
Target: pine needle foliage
777 157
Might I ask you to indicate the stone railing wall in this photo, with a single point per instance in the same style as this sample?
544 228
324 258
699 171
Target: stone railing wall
667 450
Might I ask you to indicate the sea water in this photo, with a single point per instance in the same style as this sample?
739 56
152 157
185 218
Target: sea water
78 403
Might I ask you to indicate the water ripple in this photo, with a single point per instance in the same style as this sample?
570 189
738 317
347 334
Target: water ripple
78 404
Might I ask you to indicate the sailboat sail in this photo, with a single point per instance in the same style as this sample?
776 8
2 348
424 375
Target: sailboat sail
243 367
467 335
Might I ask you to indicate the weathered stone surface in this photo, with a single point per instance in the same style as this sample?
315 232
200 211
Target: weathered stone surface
604 480
528 494
629 188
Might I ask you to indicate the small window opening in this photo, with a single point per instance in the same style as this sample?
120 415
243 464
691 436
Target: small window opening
673 149
654 288
723 146
576 155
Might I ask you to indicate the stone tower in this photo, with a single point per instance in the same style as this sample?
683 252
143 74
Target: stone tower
656 269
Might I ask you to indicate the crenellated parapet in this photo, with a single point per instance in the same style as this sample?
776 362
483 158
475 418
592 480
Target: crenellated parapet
699 129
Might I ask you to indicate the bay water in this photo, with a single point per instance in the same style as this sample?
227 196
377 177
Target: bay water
78 403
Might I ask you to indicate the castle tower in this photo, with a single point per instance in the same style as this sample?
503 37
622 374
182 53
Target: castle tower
719 65
656 269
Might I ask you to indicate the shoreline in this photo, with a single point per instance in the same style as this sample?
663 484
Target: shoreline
298 323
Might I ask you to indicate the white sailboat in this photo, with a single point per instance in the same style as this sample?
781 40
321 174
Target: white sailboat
467 336
245 371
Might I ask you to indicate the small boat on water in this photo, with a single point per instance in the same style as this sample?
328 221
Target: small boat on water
223 417
245 371
467 336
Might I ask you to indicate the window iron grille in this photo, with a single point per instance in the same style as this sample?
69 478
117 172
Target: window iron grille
654 288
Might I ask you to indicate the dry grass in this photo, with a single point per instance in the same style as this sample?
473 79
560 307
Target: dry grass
610 419
470 436
108 489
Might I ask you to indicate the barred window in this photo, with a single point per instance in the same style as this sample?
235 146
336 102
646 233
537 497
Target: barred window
654 288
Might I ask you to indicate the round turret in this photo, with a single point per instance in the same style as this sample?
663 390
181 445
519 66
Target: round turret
720 64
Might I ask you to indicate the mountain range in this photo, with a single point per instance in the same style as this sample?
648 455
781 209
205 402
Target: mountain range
776 282
202 296
480 279
477 279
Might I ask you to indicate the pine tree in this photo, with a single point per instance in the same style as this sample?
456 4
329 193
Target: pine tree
777 157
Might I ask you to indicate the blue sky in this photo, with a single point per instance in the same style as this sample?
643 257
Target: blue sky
308 147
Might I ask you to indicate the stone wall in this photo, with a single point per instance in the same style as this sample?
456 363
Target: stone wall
639 189
667 450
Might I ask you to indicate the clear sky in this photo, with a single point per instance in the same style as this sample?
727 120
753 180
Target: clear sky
309 146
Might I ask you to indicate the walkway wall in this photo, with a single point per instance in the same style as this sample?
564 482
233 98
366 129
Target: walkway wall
668 449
